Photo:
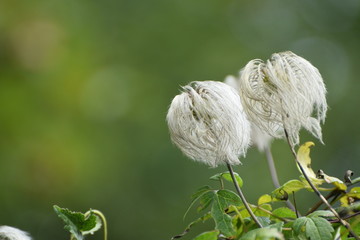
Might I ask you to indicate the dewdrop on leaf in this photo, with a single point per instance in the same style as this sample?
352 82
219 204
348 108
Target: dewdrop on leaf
284 92
207 122
11 233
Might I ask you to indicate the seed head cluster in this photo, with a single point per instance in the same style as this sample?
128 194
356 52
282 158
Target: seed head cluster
214 122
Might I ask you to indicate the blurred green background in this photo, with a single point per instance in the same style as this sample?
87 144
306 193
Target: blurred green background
85 86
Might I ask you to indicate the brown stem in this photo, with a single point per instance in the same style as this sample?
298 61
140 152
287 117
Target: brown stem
272 167
343 222
241 195
319 203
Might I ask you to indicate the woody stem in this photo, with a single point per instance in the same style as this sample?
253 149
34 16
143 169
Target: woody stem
241 195
317 192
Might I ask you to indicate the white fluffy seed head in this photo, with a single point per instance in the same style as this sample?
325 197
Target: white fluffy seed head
259 138
11 233
206 121
232 81
284 92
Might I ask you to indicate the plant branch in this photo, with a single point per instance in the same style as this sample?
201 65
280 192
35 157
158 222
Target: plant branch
241 195
272 168
103 219
317 192
285 220
346 217
319 203
274 175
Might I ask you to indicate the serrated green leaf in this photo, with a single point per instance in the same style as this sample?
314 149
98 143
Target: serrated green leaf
200 191
226 176
284 212
229 197
261 213
198 196
277 226
264 221
314 228
291 186
223 221
205 200
263 234
321 213
196 221
77 223
212 235
266 198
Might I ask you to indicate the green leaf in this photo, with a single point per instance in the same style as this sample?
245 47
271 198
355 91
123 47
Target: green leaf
205 200
212 235
282 192
188 228
223 221
284 212
321 213
78 223
265 221
226 176
266 198
314 228
229 197
200 191
277 226
202 194
263 234
261 213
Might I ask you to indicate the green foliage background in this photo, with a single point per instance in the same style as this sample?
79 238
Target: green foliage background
85 86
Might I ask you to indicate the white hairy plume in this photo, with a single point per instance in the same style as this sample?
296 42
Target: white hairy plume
232 81
284 92
258 137
11 233
208 124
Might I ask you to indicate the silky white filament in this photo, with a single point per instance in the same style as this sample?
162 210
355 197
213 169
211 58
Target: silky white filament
11 233
207 122
284 92
258 137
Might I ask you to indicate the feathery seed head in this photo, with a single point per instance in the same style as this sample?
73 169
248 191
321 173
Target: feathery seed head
283 92
11 233
206 121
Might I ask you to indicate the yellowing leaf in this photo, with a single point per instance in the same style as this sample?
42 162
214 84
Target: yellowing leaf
354 194
336 182
266 198
303 155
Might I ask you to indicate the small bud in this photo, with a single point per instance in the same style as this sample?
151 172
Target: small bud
11 233
348 175
283 92
206 121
